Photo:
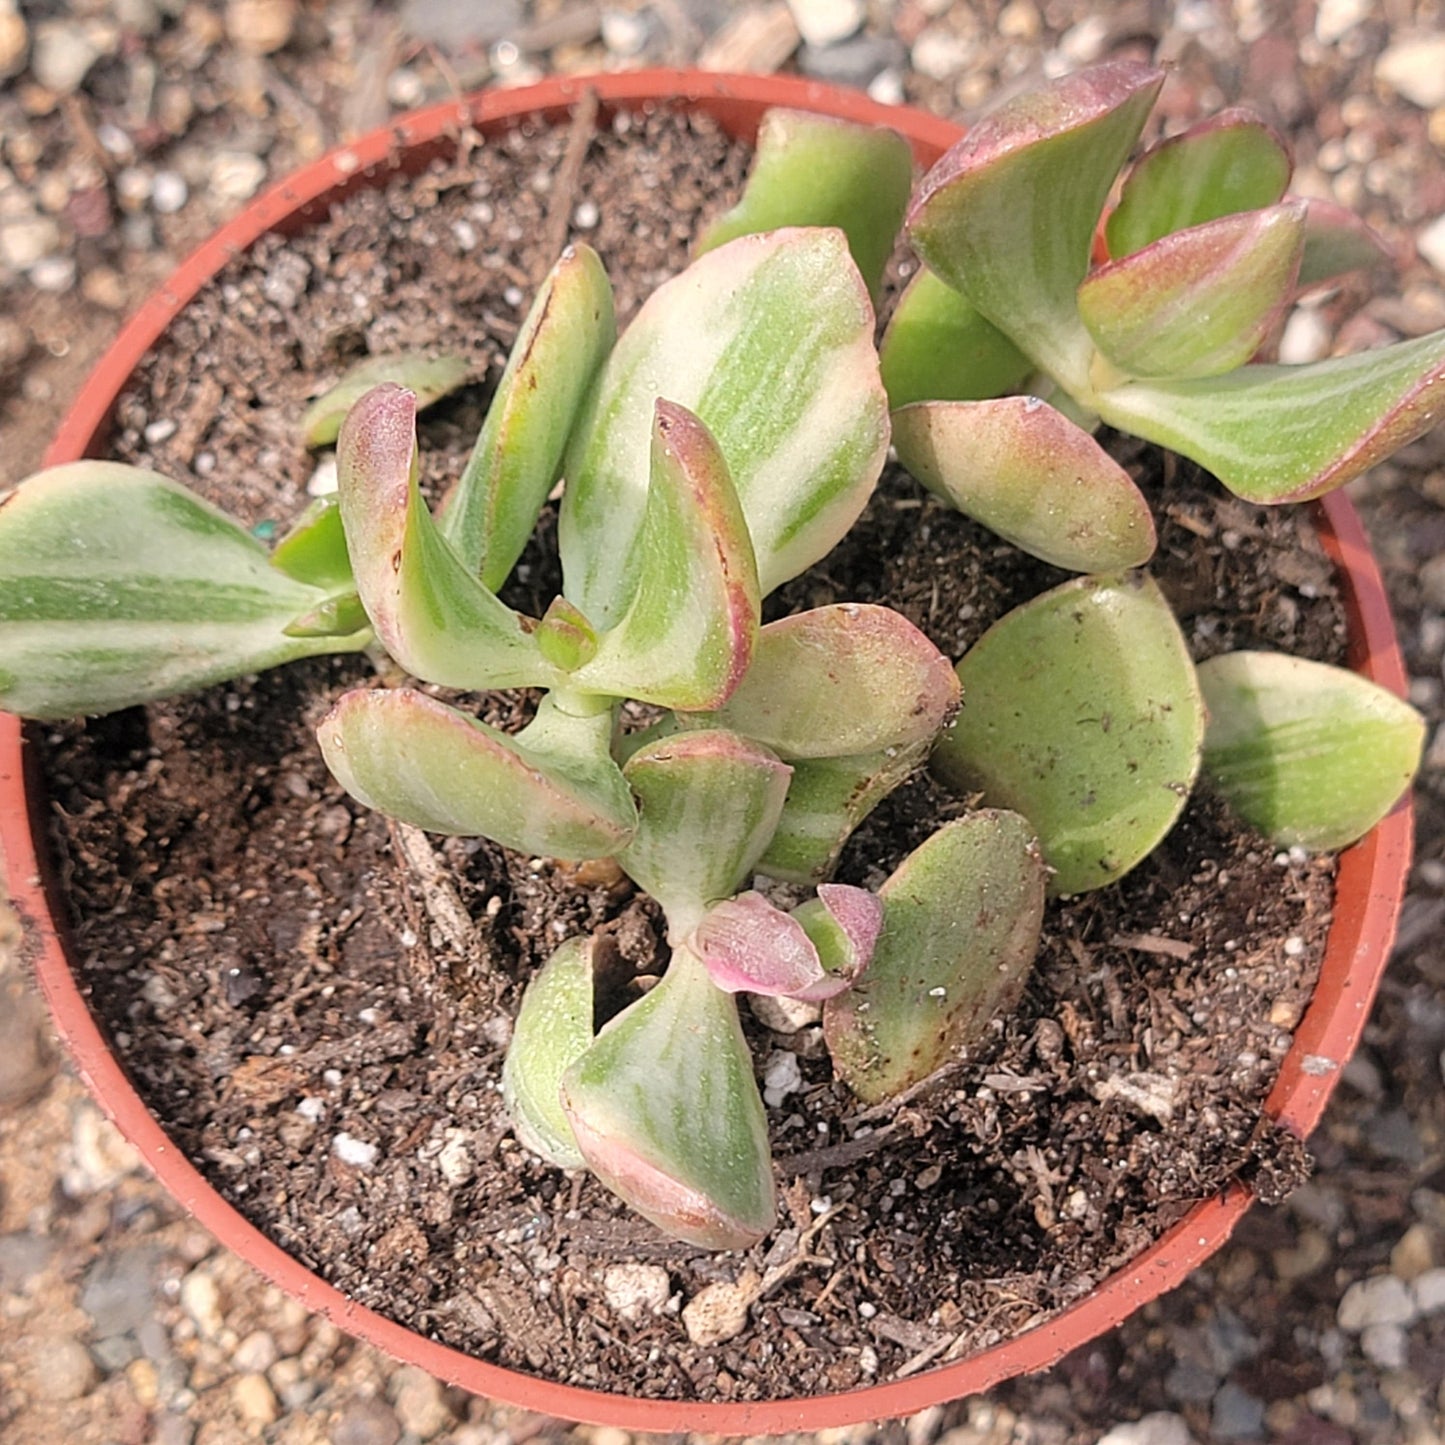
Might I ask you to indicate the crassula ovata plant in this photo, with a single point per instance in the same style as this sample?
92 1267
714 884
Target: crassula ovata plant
721 446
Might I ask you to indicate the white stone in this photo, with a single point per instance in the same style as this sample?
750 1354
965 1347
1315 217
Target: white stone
356 1152
420 1403
53 274
1385 1345
324 480
1306 338
1430 243
1415 68
62 1369
1428 1290
168 192
14 40
826 22
1380 1300
716 1313
781 1077
256 1353
784 1015
201 1299
62 56
635 1290
1163 1427
1336 18
625 33
455 1158
939 54
254 1399
237 175
886 88
26 239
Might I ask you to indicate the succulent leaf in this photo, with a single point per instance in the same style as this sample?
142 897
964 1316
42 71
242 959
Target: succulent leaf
815 170
430 377
748 945
769 341
840 680
553 1030
118 586
666 1112
827 799
1337 242
565 636
843 923
1308 754
1196 302
689 628
1287 433
938 348
430 612
1228 163
417 760
518 456
708 802
314 548
961 917
1007 217
1030 474
1083 713
340 615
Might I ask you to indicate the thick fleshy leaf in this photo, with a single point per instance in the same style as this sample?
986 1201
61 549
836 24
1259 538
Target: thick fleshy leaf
689 629
431 614
750 946
708 803
1007 217
118 586
666 1112
565 636
1337 242
938 348
429 376
827 799
840 680
552 790
1310 755
340 615
814 170
314 549
1287 433
961 918
1196 302
518 455
553 1030
1228 163
769 341
1083 714
843 923
1030 474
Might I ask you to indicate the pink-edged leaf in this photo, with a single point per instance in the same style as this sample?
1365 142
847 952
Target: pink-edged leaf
839 680
424 763
1229 162
815 170
750 946
1196 302
938 348
1287 433
688 632
843 923
1030 474
961 917
428 610
1007 217
708 802
1337 242
666 1112
429 377
518 455
769 341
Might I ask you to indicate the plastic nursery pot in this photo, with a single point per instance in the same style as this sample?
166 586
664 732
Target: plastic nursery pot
1370 882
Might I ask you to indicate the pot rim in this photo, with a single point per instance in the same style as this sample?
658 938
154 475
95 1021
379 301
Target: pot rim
1368 890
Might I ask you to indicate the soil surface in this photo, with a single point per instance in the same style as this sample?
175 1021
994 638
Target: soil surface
292 984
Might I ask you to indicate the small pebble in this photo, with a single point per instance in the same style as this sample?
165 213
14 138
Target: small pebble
1385 1345
366 1422
1237 1415
64 51
62 1369
14 42
626 33
1430 243
1415 68
1380 1300
25 240
168 192
256 1353
260 27
717 1312
1336 18
1413 1254
420 1403
237 175
635 1290
1163 1427
1428 1291
254 1399
354 1151
201 1299
27 1062
826 22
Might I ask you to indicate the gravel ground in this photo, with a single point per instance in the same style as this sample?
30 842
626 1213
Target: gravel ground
128 129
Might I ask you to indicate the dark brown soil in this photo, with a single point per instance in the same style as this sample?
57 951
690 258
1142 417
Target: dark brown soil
279 968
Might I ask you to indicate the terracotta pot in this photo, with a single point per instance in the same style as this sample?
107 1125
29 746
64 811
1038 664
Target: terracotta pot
1371 876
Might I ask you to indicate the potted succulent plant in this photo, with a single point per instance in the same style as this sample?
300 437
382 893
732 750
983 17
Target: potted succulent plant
725 443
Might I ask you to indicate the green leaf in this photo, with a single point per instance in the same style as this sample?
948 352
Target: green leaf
1007 217
708 803
1288 433
667 1115
543 792
553 1030
1082 712
430 612
839 680
961 917
814 170
430 376
843 924
518 456
1229 163
340 615
827 799
1196 302
938 348
565 636
688 631
769 342
1029 474
314 549
1336 242
1308 754
118 586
